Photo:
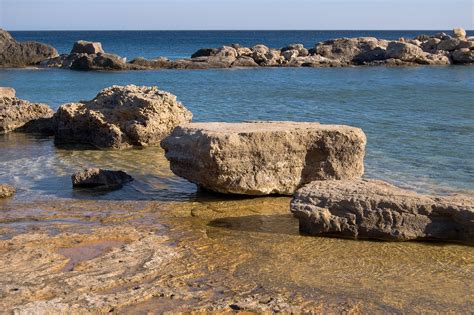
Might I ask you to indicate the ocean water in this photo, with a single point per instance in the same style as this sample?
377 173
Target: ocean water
419 121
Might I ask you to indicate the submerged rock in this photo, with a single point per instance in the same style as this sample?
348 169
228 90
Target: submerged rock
95 177
6 191
15 54
85 47
266 157
377 210
120 117
16 113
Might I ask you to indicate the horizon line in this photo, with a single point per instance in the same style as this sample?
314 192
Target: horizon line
225 30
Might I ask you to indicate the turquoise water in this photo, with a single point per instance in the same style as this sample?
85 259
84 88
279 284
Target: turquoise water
419 120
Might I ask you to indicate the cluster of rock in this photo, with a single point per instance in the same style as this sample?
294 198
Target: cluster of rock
322 166
15 54
98 178
6 191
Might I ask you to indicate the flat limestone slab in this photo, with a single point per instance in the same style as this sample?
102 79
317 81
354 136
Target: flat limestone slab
377 210
263 158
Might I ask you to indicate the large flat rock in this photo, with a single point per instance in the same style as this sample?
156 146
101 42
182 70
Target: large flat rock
377 210
265 157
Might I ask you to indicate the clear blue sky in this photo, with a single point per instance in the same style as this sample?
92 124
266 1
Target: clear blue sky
235 14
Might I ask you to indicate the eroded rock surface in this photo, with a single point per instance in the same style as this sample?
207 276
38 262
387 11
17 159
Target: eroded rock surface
266 157
95 177
85 47
16 113
16 54
374 209
120 117
6 191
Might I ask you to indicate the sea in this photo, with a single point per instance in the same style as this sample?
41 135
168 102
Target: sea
419 123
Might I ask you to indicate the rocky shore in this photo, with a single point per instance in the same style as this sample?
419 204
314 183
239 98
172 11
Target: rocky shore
438 49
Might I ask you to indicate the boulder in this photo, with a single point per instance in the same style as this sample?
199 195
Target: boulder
431 45
6 191
448 44
290 54
260 53
348 50
264 158
99 61
204 52
243 61
459 33
302 52
404 51
7 92
15 54
463 56
95 177
119 117
15 113
85 47
244 51
376 210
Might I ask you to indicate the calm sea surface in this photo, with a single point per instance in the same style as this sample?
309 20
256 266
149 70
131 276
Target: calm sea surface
419 120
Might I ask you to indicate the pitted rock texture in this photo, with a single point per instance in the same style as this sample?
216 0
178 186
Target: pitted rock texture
265 157
95 177
6 191
15 54
374 209
16 113
120 117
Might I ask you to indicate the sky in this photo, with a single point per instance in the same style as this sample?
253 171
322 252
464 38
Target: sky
236 14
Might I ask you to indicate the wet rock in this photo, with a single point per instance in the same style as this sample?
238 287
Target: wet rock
463 56
85 47
15 113
6 191
95 177
459 33
15 54
119 117
377 210
265 157
7 92
98 62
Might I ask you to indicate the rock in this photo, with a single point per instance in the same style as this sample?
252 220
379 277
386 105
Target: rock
85 47
302 52
348 50
423 37
463 56
119 117
15 113
95 177
374 209
448 44
265 157
243 52
442 35
15 54
290 54
459 33
244 62
6 191
404 51
431 45
7 92
98 62
204 52
260 53
157 63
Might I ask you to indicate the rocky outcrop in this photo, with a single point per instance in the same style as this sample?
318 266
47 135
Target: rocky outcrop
15 54
264 158
16 113
6 191
353 50
85 47
377 210
104 179
85 62
120 117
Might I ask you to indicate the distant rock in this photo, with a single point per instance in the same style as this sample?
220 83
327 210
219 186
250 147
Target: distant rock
16 113
85 47
377 210
99 61
448 44
7 92
459 33
204 52
6 191
264 158
244 61
95 177
120 117
348 50
404 51
463 56
15 54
